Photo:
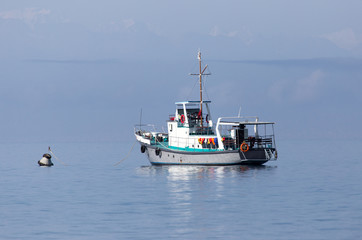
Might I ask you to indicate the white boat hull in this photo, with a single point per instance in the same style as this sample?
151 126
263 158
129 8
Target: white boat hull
163 156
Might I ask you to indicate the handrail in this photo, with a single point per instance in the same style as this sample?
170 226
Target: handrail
191 144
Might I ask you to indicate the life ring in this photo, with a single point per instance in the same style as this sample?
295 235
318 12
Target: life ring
143 148
182 119
244 147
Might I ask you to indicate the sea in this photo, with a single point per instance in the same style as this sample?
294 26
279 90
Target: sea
109 190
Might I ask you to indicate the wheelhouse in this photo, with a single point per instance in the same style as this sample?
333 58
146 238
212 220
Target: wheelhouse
195 116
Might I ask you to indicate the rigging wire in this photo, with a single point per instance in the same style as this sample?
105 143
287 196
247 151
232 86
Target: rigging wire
50 151
204 88
188 97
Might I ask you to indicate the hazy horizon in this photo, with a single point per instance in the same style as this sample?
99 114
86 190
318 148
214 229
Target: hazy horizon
82 71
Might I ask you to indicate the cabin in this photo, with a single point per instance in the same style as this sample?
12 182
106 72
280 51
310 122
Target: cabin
191 122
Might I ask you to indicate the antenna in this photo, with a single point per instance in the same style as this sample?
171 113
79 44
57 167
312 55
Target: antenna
141 119
239 111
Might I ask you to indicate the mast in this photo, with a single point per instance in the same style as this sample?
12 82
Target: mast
201 73
200 77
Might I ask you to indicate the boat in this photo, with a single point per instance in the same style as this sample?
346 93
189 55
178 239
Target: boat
192 138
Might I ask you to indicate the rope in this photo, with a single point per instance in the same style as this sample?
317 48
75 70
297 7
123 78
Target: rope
50 151
188 97
205 89
161 144
126 155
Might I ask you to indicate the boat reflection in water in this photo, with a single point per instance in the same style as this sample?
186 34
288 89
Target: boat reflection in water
189 194
191 173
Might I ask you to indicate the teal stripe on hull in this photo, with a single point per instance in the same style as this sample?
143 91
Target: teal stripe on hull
191 149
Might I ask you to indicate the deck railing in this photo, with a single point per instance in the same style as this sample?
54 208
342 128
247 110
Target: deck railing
260 142
211 144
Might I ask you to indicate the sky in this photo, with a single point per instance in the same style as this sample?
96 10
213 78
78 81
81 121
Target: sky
83 70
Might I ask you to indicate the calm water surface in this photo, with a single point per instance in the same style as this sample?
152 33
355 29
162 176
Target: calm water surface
313 191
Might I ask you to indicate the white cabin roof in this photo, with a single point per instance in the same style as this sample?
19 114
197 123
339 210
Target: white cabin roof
244 123
191 102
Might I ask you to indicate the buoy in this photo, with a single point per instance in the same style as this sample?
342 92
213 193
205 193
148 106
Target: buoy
46 160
